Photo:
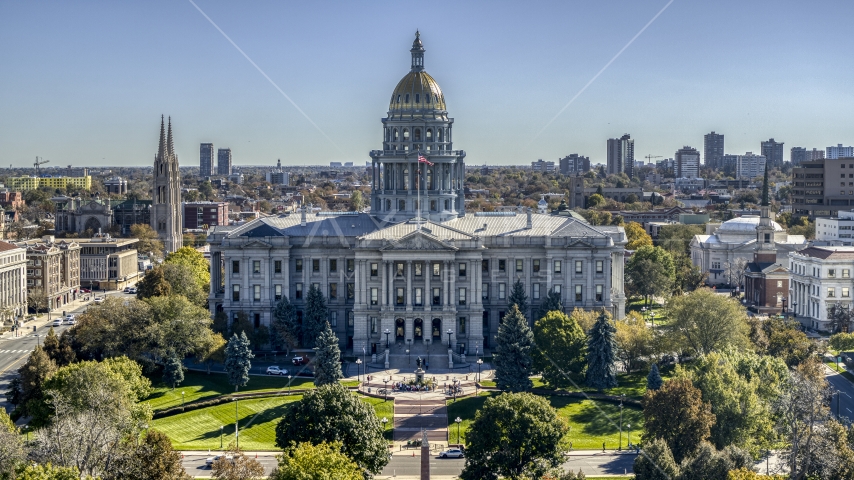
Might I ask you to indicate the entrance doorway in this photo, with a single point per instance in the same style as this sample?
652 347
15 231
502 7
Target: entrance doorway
436 330
418 329
399 329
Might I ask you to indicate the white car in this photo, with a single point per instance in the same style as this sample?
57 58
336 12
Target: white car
57 322
274 370
452 453
132 290
99 300
210 460
70 319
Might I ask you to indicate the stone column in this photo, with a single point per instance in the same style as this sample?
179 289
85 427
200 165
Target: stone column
409 285
427 299
446 283
384 280
453 281
425 457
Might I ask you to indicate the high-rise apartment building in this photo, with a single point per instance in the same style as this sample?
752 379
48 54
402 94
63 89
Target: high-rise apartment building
223 161
687 162
713 149
206 160
621 155
747 166
773 152
815 154
574 163
798 155
839 152
821 188
542 166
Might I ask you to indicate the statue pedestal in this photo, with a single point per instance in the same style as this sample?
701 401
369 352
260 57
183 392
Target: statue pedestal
419 376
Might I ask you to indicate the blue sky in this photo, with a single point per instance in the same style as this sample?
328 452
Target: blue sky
85 82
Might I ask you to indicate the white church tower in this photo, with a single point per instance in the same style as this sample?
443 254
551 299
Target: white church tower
166 215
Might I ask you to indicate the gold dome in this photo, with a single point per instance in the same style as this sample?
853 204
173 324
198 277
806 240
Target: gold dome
417 91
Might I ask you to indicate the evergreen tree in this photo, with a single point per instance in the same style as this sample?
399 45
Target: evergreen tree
238 360
552 303
512 355
518 297
173 371
327 359
601 356
653 380
316 315
286 330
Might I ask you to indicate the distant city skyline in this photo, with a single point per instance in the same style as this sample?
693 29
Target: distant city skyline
85 84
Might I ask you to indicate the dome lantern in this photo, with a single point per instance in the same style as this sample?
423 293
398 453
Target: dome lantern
417 53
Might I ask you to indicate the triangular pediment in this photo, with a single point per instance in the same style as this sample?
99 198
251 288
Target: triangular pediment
418 241
580 243
256 244
262 230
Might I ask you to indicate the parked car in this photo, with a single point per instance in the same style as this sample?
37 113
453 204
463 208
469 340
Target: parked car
452 453
70 319
299 360
132 290
275 370
85 290
57 322
99 300
210 460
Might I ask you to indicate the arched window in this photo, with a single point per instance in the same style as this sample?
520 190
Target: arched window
429 134
429 177
407 99
398 99
395 134
428 98
406 179
388 205
439 134
417 134
436 97
405 134
417 98
401 205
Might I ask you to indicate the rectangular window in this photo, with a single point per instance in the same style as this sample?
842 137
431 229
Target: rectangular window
333 265
418 296
598 293
235 266
556 289
277 266
484 292
351 265
845 292
558 266
375 270
831 292
316 286
779 284
257 320
536 266
298 265
256 266
437 269
375 296
831 272
536 291
462 327
374 324
315 265
298 292
437 296
278 292
235 293
502 266
351 318
846 273
351 291
463 296
462 269
400 299
502 291
419 269
578 296
578 267
520 266
333 319
484 265
256 293
333 291
398 267
599 266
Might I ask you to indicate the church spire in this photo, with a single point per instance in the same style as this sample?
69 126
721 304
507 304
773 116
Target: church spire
417 51
161 150
171 146
765 202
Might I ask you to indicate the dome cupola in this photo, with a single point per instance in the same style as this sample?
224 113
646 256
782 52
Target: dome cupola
417 92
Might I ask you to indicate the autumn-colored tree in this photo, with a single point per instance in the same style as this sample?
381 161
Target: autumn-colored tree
637 236
677 414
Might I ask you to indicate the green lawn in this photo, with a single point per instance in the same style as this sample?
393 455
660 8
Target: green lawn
199 385
383 409
592 422
258 417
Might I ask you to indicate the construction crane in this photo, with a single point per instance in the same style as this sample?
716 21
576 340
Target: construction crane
650 157
39 162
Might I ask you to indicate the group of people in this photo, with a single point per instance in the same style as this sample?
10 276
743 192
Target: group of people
403 387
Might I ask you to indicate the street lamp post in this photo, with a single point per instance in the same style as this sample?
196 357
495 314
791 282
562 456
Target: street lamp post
358 371
622 396
289 385
450 332
428 342
385 421
458 420
385 381
27 429
408 358
479 363
387 333
182 401
236 426
629 441
220 436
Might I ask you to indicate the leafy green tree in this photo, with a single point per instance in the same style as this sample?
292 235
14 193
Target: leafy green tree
650 272
356 201
149 241
316 315
212 351
237 467
703 321
332 414
153 284
653 379
241 324
513 350
316 462
518 297
238 360
637 236
261 336
656 463
180 327
152 458
676 239
551 303
37 370
285 325
61 352
195 260
12 453
514 436
677 414
327 359
35 471
183 281
595 200
635 341
601 355
787 341
173 371
561 348
710 464
689 277
842 342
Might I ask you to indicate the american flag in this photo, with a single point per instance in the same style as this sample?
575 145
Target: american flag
423 159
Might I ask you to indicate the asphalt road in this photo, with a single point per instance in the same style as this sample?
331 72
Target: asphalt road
843 396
